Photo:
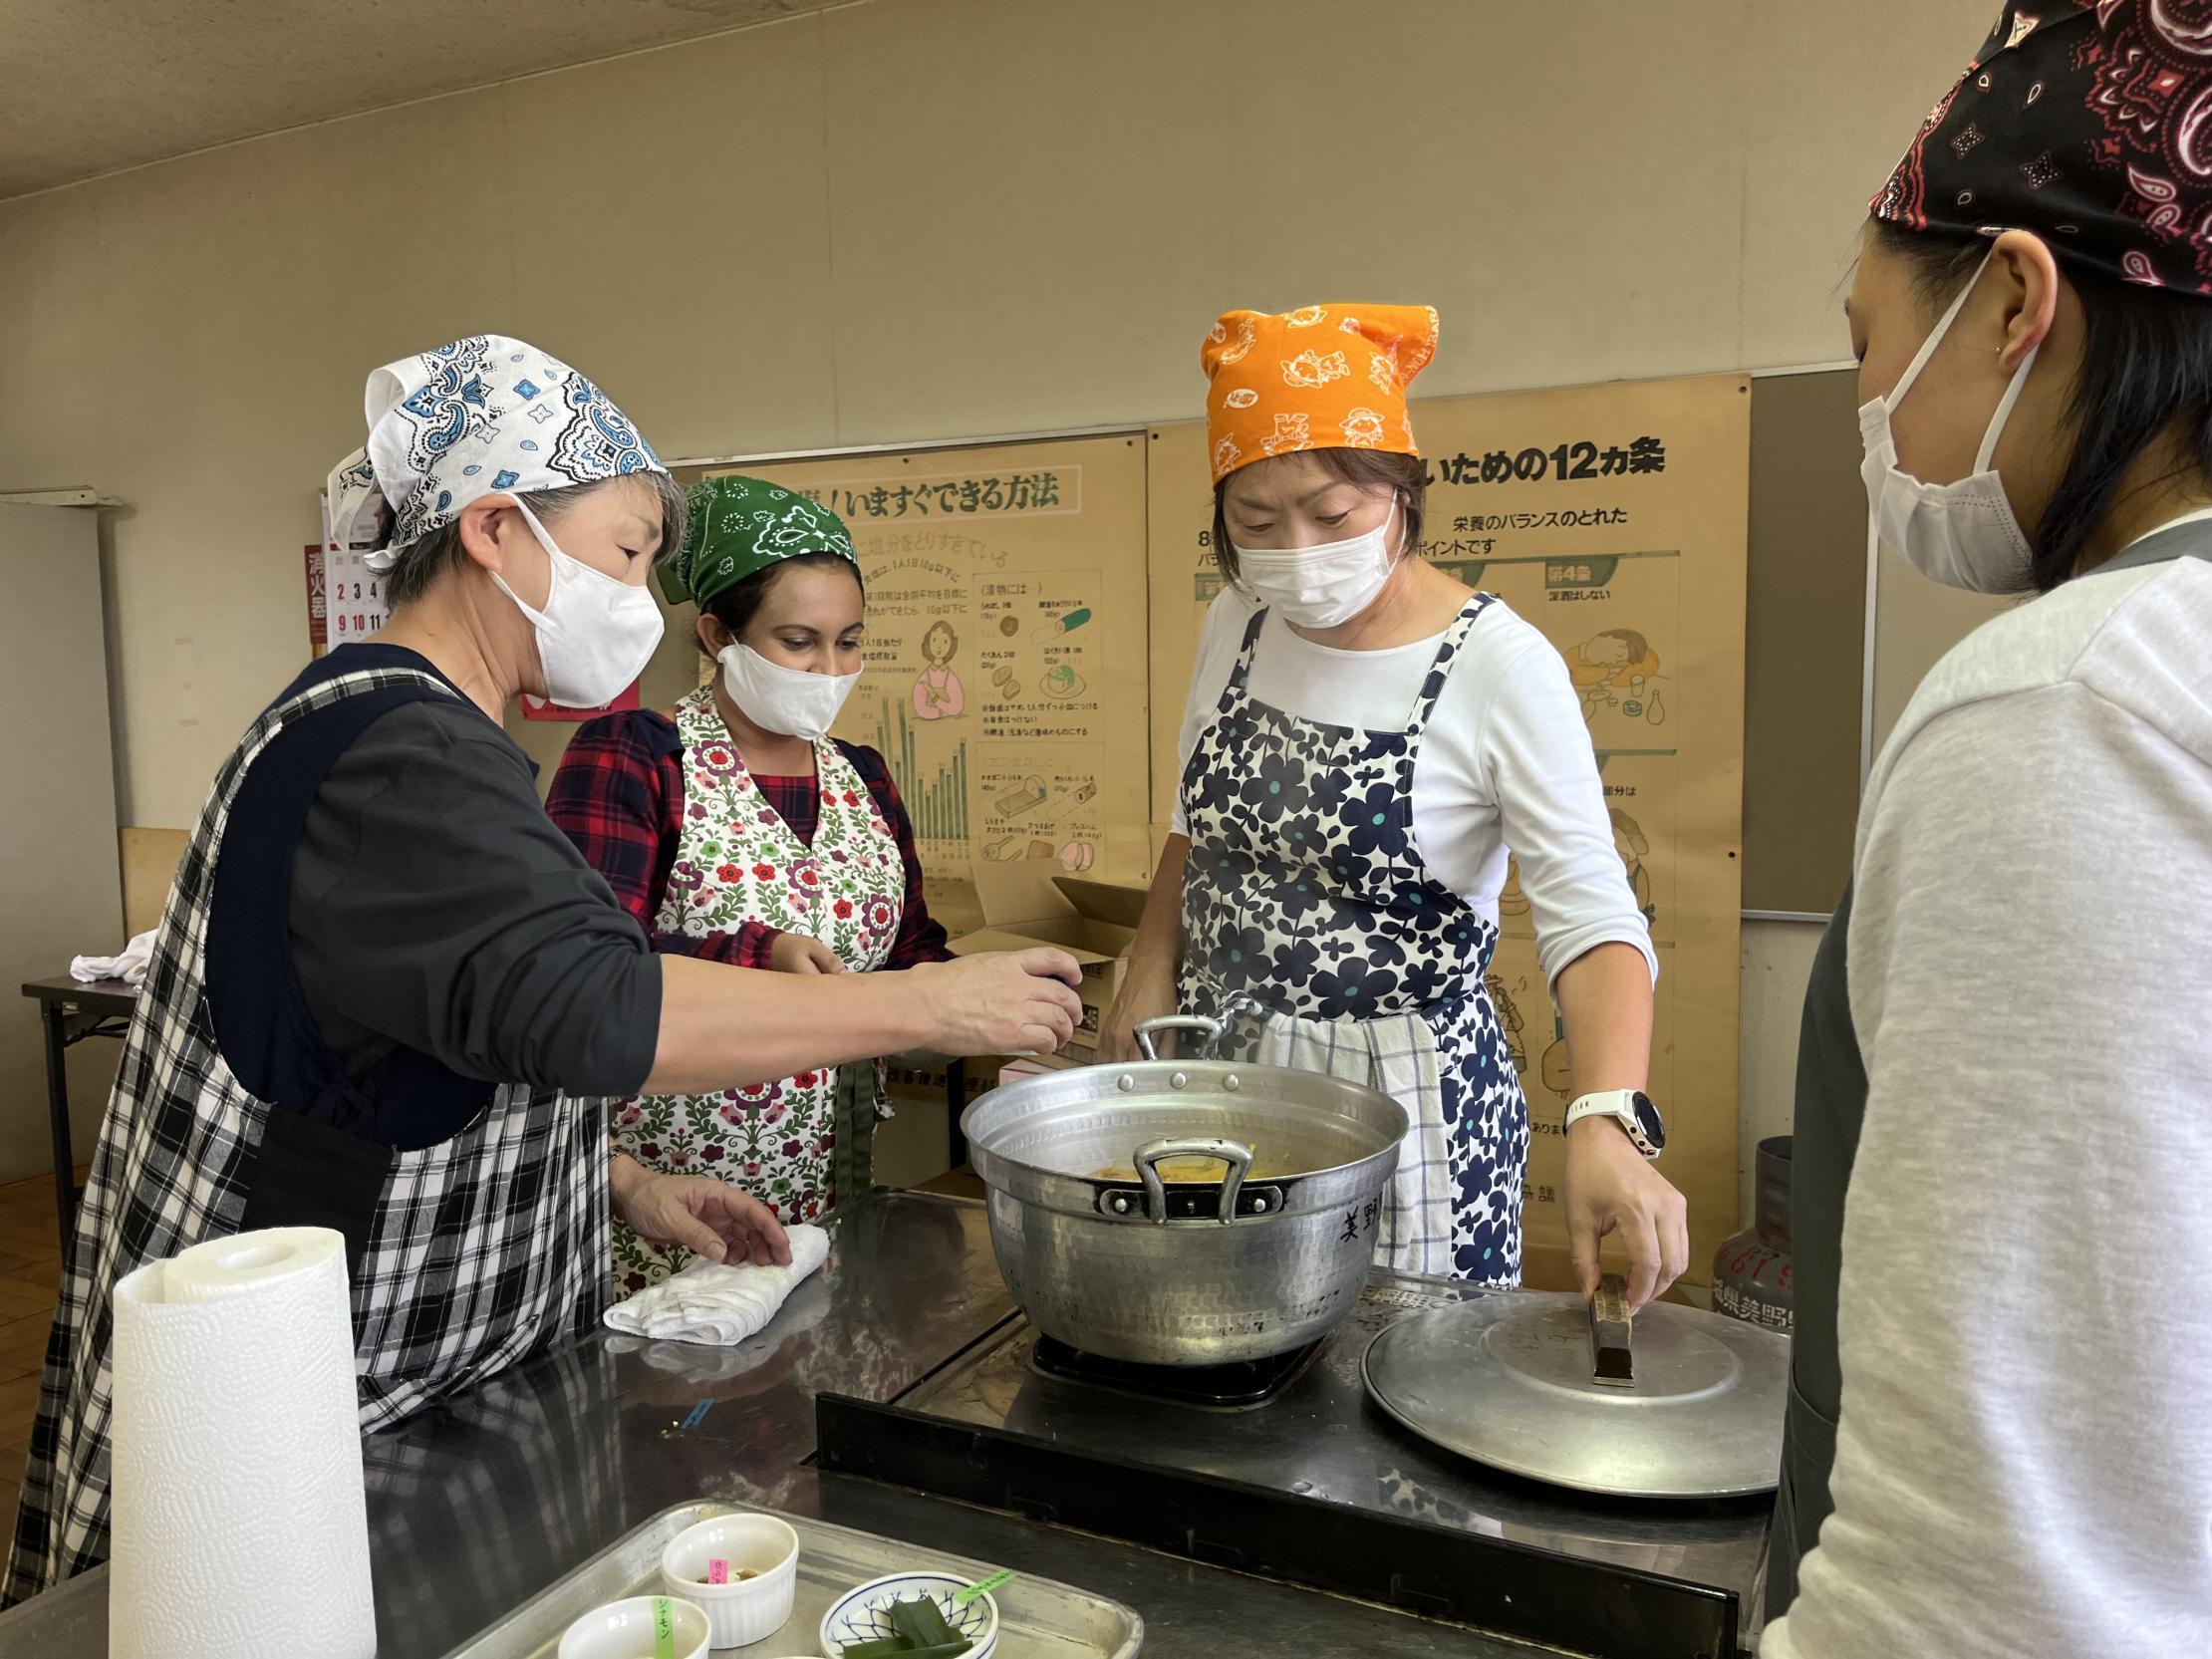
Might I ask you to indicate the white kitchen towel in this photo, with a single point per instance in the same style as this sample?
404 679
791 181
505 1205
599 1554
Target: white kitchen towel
239 1526
692 1363
717 1304
1393 1053
130 967
1397 1054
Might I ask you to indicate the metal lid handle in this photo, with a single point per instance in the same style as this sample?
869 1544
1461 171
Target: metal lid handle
1234 1154
1612 1342
1149 1029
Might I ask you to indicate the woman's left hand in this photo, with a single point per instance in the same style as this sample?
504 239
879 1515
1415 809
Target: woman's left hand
803 954
702 1215
1612 1188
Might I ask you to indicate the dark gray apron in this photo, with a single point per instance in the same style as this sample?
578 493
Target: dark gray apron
1831 1108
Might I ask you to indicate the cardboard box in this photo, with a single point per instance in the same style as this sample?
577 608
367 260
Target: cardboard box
1036 1065
1024 905
908 1079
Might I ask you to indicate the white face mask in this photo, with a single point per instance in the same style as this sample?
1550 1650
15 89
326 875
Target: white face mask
595 634
794 701
1320 587
1963 535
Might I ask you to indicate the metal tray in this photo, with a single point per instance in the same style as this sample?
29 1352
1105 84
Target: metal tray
1037 1618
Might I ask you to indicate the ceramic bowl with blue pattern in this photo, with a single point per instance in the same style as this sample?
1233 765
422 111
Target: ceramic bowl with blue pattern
864 1615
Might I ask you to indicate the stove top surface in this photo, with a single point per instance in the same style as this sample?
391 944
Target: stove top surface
1321 1437
1243 1386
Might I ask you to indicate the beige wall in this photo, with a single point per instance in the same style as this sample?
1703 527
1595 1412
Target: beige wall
923 218
1778 958
58 893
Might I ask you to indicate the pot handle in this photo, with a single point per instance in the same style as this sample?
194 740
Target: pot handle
1149 1029
1234 1154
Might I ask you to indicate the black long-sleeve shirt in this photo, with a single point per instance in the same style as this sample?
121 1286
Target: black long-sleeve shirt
436 919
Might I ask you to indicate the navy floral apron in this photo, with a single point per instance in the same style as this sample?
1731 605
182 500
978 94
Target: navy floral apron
1306 900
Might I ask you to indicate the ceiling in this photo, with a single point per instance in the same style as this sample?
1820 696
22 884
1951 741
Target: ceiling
87 88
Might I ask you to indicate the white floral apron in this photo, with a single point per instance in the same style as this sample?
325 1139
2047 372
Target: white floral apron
738 862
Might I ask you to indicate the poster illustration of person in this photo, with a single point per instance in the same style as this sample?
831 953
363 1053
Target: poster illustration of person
938 692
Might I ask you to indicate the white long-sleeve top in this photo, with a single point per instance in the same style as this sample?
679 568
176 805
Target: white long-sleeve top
1506 764
2023 1461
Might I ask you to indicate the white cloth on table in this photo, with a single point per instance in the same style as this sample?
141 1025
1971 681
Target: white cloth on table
718 1304
808 1307
130 968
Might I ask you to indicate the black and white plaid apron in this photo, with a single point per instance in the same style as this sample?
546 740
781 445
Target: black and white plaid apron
482 1249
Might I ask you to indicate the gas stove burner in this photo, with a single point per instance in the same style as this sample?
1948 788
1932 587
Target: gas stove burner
1235 1387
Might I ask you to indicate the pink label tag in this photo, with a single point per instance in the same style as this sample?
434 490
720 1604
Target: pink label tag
717 1571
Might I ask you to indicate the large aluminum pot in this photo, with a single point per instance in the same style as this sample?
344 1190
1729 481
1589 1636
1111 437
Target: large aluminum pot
1264 1252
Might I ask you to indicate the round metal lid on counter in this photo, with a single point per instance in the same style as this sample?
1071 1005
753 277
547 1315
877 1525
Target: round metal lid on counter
1507 1380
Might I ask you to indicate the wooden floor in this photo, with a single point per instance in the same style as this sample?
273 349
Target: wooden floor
30 1277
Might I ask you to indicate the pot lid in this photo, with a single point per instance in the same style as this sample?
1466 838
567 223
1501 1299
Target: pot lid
1507 1380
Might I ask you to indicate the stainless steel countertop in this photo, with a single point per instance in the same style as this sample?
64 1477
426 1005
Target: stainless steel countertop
477 1505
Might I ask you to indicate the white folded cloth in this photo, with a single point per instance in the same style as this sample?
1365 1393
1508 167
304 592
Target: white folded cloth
716 1304
690 1362
131 965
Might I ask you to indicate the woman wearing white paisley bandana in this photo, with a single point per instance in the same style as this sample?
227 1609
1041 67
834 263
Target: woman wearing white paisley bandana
736 812
388 995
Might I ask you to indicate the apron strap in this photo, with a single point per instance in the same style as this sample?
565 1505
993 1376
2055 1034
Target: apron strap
257 1008
1242 671
1424 707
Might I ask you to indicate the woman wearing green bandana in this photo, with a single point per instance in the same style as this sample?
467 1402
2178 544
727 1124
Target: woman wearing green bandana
734 824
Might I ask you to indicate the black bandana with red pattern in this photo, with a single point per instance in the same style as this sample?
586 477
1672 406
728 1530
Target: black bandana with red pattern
2090 124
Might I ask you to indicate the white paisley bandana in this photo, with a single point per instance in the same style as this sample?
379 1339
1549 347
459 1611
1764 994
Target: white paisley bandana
485 413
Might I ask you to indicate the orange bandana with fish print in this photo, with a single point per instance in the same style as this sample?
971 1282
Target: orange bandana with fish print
1323 376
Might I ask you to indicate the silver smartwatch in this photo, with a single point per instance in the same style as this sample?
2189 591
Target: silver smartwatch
1632 1109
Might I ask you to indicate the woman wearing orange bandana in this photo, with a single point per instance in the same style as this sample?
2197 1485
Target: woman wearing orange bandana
1365 742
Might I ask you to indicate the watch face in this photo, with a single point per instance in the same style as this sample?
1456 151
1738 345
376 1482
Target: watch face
1649 1121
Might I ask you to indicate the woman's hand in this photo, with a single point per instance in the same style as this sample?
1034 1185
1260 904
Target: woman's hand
1612 1188
999 1002
698 1213
1143 997
802 953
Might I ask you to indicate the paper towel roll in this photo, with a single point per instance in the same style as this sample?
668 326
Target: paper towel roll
238 1525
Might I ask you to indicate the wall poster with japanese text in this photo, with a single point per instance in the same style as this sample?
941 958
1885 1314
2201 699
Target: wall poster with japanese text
1005 676
1613 517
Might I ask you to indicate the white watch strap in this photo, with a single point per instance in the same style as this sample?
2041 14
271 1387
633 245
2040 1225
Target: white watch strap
1620 1106
1611 1103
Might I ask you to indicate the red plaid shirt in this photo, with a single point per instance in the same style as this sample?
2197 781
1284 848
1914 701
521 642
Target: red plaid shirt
618 796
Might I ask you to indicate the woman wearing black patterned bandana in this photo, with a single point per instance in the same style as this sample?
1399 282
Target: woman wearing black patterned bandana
1998 1436
387 994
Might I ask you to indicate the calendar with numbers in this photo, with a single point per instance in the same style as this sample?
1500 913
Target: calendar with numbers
345 598
353 597
346 604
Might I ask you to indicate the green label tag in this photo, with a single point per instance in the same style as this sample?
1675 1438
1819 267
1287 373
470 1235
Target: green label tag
664 1628
983 1587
